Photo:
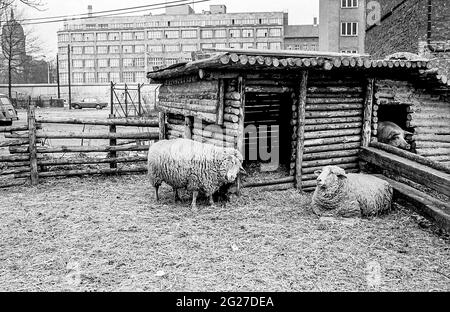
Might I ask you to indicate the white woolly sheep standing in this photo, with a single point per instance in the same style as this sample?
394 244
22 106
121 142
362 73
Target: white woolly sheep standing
350 195
195 166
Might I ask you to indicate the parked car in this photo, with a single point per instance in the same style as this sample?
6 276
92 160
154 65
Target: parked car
89 103
7 111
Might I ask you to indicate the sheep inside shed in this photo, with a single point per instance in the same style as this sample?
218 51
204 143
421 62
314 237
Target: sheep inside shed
350 195
191 165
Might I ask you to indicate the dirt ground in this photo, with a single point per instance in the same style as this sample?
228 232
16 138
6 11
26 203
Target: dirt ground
109 234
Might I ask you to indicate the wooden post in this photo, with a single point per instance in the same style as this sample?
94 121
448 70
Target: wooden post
241 129
162 125
113 142
367 119
221 102
303 88
139 99
69 80
188 127
111 94
126 100
32 143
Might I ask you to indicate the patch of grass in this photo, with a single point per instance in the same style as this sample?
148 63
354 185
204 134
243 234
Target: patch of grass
109 234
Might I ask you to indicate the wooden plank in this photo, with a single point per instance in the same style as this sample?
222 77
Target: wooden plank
99 136
80 149
424 204
269 182
14 142
105 122
14 128
437 180
301 116
32 144
162 125
367 116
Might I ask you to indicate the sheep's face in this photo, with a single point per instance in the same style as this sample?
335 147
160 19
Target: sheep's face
232 167
329 176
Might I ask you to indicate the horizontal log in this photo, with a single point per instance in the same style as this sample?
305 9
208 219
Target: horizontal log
14 128
432 130
15 170
18 164
432 123
276 187
268 182
176 122
267 89
332 133
331 147
187 112
179 128
14 158
235 96
320 121
212 141
330 154
211 108
346 166
87 135
420 159
336 140
214 135
335 107
328 162
13 182
70 173
335 95
428 144
433 151
431 137
333 126
332 114
440 159
14 142
435 179
105 122
82 161
333 89
80 149
334 101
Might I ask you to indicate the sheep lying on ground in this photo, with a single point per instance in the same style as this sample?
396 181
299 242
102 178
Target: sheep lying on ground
350 195
197 167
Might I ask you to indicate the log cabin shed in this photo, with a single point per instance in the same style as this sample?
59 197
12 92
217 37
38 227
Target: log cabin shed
315 108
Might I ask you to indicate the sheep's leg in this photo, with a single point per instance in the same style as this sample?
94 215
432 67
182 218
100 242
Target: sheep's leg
177 195
211 201
194 201
156 192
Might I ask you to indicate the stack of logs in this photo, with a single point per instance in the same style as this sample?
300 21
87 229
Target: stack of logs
333 126
175 126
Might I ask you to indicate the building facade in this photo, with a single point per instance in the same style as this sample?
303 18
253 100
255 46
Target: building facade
302 37
123 49
342 26
405 27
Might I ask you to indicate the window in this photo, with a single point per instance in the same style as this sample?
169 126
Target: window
349 51
140 76
102 63
114 49
77 63
313 47
349 3
114 63
89 37
221 45
89 63
155 48
91 26
349 29
247 33
221 33
127 49
78 77
262 45
102 36
139 35
127 36
63 37
88 50
128 77
89 77
171 61
156 61
207 46
247 45
77 37
275 46
207 33
62 50
189 47
102 49
172 48
235 45
62 64
77 50
139 48
127 62
188 34
275 32
103 26
171 34
261 32
139 62
103 77
63 77
155 34
235 33
114 36
115 77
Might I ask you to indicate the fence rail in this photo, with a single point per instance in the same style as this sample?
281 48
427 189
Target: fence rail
29 161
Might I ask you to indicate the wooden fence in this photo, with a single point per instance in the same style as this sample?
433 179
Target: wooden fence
28 160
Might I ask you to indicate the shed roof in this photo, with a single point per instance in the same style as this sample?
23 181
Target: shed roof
291 61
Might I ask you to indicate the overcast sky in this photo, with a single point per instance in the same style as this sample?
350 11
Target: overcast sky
300 12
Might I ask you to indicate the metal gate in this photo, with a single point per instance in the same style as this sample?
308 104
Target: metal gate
126 101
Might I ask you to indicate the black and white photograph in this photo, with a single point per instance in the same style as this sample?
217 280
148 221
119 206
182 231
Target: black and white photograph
236 149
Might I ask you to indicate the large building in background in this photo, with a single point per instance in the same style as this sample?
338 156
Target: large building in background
302 37
123 49
342 26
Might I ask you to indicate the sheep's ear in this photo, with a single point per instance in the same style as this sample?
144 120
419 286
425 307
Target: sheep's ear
242 170
317 173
